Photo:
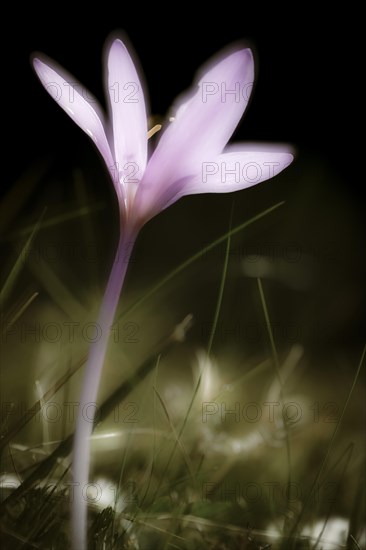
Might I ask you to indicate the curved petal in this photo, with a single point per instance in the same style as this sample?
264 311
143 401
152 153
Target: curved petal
128 111
204 122
239 167
77 102
207 116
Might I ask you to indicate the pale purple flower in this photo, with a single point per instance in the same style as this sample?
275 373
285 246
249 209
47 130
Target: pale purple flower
191 157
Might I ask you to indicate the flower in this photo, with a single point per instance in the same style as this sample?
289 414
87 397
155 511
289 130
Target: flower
192 154
190 157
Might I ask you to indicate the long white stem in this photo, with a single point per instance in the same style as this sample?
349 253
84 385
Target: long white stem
89 392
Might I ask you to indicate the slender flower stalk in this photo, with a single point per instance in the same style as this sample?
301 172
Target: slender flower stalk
191 157
89 391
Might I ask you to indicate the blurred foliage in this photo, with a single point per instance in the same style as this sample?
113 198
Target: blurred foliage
178 472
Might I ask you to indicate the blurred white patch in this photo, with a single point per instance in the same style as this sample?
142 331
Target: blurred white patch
101 493
207 369
295 270
331 534
9 481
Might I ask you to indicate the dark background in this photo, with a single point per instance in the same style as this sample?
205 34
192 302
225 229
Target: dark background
303 93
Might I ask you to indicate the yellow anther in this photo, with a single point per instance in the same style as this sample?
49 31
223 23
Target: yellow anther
153 130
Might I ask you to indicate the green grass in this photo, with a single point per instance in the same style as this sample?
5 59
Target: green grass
172 478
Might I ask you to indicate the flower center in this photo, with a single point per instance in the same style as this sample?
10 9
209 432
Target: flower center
131 188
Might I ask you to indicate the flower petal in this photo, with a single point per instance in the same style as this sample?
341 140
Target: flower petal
76 101
239 167
128 111
207 117
205 120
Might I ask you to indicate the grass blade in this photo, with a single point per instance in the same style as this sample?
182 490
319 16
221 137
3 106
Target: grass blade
17 267
196 257
330 445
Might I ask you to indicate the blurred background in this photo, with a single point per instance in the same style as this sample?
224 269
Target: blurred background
309 253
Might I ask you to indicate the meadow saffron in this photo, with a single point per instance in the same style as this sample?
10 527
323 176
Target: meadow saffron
191 157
